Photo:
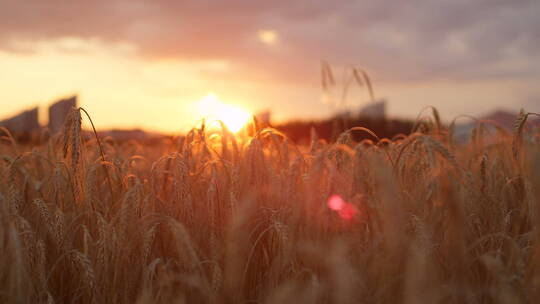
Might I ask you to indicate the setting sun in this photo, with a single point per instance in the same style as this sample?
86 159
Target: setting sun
212 109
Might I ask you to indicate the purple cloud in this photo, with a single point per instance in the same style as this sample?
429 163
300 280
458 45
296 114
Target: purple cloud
396 41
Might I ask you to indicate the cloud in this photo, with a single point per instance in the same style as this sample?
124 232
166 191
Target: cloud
396 41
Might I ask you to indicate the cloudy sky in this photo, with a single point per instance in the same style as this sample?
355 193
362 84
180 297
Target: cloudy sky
137 63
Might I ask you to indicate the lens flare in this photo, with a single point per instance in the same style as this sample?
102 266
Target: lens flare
346 211
335 202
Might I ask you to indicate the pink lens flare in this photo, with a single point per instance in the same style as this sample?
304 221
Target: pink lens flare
346 211
335 202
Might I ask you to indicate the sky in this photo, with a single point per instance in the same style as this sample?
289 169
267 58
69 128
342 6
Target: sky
148 64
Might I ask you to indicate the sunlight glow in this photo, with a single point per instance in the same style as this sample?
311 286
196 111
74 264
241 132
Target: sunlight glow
268 37
212 109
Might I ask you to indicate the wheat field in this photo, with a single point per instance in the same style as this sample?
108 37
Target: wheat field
215 218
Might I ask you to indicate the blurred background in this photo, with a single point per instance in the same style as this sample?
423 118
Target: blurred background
162 66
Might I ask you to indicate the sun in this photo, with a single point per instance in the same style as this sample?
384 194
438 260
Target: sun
212 109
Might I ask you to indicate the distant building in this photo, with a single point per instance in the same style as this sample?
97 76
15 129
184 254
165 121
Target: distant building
22 124
58 112
374 110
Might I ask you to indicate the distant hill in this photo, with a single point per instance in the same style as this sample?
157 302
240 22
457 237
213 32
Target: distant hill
329 129
500 117
130 134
